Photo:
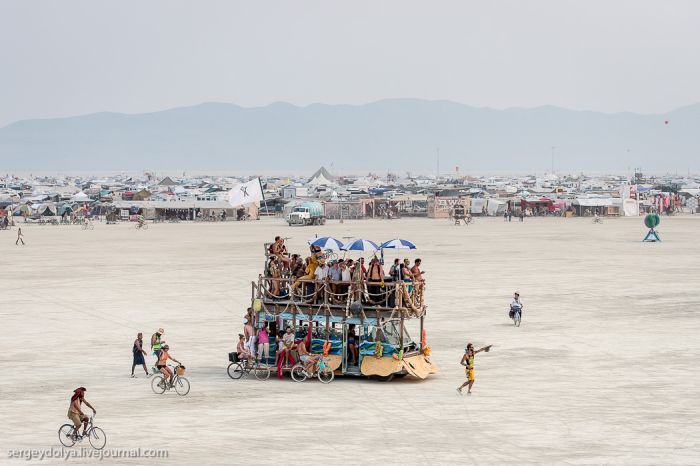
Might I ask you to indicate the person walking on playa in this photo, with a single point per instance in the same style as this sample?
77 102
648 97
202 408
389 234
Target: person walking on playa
468 362
19 237
155 341
138 355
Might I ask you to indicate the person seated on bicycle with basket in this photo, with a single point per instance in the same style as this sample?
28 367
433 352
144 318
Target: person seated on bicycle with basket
241 350
162 364
516 305
76 414
309 360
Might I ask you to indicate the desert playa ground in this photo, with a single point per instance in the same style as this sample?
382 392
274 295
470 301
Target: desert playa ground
602 371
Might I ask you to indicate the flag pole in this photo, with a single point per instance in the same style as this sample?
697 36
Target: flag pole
267 211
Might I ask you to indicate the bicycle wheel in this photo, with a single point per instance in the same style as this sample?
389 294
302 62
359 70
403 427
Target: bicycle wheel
158 385
516 319
298 373
261 372
98 438
326 375
145 226
65 435
235 371
182 386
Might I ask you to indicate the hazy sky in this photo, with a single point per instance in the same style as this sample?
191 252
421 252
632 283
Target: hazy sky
62 58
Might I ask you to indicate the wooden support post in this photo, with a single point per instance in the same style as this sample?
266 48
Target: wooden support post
421 334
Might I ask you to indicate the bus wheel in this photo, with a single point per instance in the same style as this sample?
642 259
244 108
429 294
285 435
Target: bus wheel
383 378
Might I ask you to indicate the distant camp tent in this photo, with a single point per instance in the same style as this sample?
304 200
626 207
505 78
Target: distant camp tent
142 195
64 209
167 181
45 210
321 178
80 197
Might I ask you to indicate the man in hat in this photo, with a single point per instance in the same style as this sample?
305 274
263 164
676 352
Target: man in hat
75 413
155 341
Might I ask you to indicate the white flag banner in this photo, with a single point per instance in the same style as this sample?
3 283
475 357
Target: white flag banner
246 193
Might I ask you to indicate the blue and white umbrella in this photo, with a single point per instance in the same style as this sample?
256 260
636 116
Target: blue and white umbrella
398 244
328 242
360 245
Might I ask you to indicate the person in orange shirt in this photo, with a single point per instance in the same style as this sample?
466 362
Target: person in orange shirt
162 365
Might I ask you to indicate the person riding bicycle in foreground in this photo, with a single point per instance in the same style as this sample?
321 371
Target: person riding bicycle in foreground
516 304
76 414
162 364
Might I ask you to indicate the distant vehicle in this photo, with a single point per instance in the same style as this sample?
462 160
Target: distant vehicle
307 213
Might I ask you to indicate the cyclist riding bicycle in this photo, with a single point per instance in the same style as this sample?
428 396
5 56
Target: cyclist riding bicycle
309 360
516 305
76 414
162 364
141 220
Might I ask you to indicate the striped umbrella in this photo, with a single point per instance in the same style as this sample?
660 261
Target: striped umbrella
398 244
328 242
360 245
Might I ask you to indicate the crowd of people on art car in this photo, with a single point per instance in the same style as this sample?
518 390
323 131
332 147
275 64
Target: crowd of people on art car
312 277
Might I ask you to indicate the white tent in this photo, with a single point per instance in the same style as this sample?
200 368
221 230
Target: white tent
80 197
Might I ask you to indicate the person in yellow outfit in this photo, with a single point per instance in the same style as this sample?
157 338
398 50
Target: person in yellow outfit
309 271
468 362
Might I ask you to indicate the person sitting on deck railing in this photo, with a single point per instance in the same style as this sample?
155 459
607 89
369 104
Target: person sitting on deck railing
279 250
311 264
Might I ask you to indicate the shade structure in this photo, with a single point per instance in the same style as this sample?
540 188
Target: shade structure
328 242
398 244
360 245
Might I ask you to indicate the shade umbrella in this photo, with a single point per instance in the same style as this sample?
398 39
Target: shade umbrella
328 242
398 244
360 245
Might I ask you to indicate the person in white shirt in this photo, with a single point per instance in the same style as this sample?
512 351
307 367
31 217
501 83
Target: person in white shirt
321 271
516 304
320 275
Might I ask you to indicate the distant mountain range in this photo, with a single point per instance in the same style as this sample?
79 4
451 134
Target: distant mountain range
400 135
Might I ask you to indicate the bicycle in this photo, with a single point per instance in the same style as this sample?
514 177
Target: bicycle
238 368
68 435
322 371
330 255
141 226
178 382
516 315
88 226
